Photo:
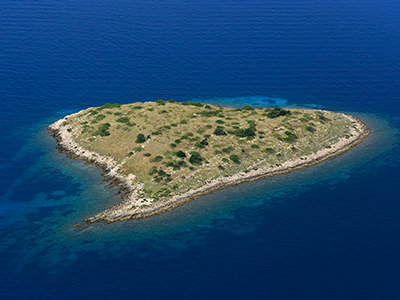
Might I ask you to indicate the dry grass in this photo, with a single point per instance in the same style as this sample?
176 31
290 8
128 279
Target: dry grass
169 127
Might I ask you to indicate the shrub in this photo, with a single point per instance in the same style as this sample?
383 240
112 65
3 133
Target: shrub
227 150
186 136
98 118
209 113
235 158
195 158
157 132
157 158
160 102
103 130
160 176
153 170
219 122
198 104
86 129
251 123
147 154
247 107
247 132
202 143
225 160
123 120
180 154
140 138
310 129
277 112
254 146
219 130
173 145
269 150
126 121
137 149
176 165
290 137
109 105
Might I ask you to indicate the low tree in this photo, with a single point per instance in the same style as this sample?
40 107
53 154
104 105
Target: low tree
235 158
219 130
180 154
195 158
140 138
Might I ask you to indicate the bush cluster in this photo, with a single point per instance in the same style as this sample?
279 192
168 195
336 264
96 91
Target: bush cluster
180 154
235 158
219 130
140 138
109 105
277 112
195 158
103 130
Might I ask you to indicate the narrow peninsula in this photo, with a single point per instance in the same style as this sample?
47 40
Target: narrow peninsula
164 153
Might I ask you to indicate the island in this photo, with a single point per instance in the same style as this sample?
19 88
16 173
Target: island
164 153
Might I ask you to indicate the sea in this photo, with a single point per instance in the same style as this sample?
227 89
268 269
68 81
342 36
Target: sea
330 231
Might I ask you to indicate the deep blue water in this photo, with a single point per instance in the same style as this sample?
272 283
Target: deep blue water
330 231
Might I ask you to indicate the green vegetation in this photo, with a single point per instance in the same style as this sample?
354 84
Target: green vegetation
219 130
310 129
108 105
195 158
247 107
181 154
140 138
247 132
234 158
125 120
172 147
103 130
158 158
277 112
269 150
98 118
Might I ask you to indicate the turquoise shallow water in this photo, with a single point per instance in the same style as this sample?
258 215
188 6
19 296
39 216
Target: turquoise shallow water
325 232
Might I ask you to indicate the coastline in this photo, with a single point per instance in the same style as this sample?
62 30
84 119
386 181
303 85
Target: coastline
129 191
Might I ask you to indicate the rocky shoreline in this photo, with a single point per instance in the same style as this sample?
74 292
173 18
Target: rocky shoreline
129 191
